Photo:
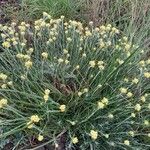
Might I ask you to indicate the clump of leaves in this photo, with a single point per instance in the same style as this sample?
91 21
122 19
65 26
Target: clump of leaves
91 83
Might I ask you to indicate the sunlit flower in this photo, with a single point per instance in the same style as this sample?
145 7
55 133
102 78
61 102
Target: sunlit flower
44 55
3 102
6 44
75 140
100 105
123 90
62 108
3 76
126 142
137 107
34 118
92 63
146 122
94 134
129 94
131 133
135 81
110 116
40 137
147 74
28 64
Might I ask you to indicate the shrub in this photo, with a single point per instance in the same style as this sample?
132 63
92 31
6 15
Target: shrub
60 77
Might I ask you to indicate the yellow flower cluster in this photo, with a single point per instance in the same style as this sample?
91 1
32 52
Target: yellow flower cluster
6 44
75 140
44 55
125 91
33 119
126 142
147 75
62 108
46 95
26 58
102 103
3 76
93 134
40 137
3 102
100 64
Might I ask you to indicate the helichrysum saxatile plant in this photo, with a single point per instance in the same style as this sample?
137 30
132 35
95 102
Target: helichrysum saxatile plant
92 83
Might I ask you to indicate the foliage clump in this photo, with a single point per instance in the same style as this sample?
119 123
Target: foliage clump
90 82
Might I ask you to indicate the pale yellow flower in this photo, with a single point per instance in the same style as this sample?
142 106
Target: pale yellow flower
131 133
92 63
137 107
34 118
126 142
101 105
28 64
94 134
123 90
75 140
129 94
135 81
3 102
3 76
40 137
105 101
44 55
6 44
62 108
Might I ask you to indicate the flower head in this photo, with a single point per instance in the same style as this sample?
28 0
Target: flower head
62 108
40 137
34 118
94 134
75 140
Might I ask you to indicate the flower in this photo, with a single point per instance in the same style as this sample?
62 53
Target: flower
28 64
85 90
146 122
92 63
62 108
83 55
34 118
3 102
4 86
6 44
131 133
77 67
105 101
10 83
40 138
123 90
126 142
143 99
44 55
93 134
137 107
47 91
60 60
133 115
129 94
80 93
3 76
147 74
75 140
110 116
135 81
101 105
46 97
